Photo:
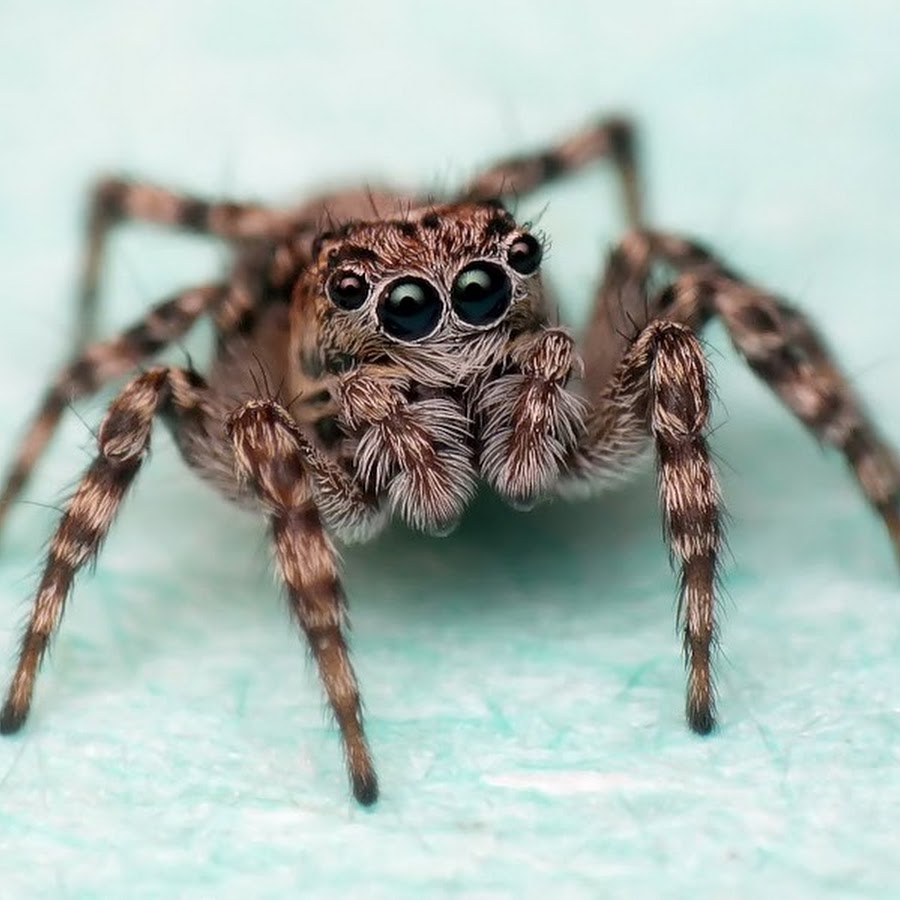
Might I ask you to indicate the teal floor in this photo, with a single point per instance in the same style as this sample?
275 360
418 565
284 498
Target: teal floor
522 677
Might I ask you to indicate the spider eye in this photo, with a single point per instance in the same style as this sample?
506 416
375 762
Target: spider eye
481 293
525 254
410 309
348 290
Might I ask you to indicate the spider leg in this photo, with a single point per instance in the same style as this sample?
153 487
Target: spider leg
123 440
258 279
97 366
611 137
117 200
660 390
270 454
783 348
626 302
646 375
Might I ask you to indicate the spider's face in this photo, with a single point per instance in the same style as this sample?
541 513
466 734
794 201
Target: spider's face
440 281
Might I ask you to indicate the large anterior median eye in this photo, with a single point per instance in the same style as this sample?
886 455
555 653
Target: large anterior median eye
410 309
481 293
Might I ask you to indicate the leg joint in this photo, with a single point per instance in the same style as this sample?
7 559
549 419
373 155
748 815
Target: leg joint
679 381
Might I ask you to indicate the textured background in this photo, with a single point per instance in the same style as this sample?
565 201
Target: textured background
522 677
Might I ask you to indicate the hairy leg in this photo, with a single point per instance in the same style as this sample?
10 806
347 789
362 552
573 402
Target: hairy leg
779 343
783 348
269 454
100 364
117 200
124 439
612 138
630 296
660 391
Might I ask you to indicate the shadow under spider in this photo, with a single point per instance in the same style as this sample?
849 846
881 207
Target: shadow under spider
502 556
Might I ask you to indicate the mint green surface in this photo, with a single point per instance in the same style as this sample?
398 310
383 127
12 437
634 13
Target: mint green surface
522 677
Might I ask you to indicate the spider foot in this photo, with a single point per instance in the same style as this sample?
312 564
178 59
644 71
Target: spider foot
890 514
12 718
700 709
702 720
365 787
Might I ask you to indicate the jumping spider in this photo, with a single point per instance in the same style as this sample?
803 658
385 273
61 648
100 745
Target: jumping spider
416 358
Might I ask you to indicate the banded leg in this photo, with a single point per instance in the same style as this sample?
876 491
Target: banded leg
611 138
779 343
260 276
269 455
626 300
96 367
660 390
784 349
124 438
116 200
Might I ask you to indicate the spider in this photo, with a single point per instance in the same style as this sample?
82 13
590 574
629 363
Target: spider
416 358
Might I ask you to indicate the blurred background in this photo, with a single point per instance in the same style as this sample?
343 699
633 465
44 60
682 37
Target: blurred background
522 677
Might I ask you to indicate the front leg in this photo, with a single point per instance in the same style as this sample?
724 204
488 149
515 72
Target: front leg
416 452
529 422
660 391
124 441
269 456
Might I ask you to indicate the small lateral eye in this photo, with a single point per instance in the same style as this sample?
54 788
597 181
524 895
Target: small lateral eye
410 309
348 290
481 293
524 254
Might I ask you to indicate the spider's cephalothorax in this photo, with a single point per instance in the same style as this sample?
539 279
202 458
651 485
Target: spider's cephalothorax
436 292
424 329
415 360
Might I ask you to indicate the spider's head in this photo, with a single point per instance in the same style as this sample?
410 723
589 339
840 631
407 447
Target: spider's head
438 290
